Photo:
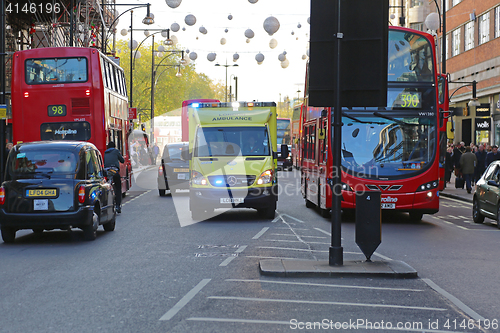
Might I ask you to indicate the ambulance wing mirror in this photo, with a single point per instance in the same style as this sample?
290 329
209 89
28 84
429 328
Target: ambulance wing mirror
186 156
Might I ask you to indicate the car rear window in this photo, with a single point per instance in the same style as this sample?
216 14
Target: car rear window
41 164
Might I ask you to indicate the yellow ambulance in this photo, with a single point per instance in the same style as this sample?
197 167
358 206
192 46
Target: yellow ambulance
233 158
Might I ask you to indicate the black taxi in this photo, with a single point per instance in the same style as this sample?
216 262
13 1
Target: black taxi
55 185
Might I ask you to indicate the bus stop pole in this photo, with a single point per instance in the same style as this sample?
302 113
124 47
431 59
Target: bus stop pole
336 250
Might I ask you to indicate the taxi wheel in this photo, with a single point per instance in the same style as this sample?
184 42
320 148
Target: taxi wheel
498 216
8 234
90 231
110 226
476 214
161 192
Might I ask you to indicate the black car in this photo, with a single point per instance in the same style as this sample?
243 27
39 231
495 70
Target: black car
55 185
486 201
173 173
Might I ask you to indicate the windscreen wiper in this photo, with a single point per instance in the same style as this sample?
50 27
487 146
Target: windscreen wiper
397 121
359 120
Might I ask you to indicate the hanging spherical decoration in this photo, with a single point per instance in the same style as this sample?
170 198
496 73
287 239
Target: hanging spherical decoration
225 30
187 61
259 58
299 25
124 32
190 19
203 30
174 39
146 33
253 1
211 56
236 56
161 48
293 33
137 55
183 28
248 40
222 41
159 54
175 27
273 43
249 33
230 17
134 44
186 51
309 20
284 64
271 25
304 57
193 55
281 57
173 3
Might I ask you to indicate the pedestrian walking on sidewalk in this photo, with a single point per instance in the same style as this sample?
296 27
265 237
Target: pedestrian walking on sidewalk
481 162
457 153
468 163
494 155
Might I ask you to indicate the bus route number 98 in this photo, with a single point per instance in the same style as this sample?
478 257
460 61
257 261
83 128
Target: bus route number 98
56 110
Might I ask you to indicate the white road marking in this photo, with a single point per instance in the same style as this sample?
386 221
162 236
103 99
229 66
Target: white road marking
325 303
289 235
227 261
382 256
322 285
246 321
293 218
241 248
260 233
293 241
323 231
456 200
185 300
289 249
473 314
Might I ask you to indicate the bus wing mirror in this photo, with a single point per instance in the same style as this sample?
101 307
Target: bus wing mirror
284 152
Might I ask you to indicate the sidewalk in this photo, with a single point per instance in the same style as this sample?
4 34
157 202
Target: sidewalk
457 193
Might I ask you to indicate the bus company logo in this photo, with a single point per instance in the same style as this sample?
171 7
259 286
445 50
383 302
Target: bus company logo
65 132
388 199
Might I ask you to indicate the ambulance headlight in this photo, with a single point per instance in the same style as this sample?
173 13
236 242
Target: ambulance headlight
235 105
198 179
265 178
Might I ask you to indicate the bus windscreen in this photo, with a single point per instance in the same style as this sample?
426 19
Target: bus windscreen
56 70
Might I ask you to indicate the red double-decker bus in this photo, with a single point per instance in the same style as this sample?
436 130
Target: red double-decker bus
296 135
393 149
71 93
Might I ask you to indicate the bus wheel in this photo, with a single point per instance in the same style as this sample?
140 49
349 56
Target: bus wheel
324 212
416 217
476 214
310 204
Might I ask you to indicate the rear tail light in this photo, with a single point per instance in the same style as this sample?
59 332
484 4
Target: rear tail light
2 195
87 92
81 194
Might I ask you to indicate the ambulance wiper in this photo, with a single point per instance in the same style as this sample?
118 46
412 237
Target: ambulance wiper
397 121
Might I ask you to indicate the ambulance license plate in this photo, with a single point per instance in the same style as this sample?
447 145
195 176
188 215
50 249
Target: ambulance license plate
231 200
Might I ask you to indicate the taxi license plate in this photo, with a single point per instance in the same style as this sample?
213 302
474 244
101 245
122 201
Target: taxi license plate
388 206
41 193
231 200
181 170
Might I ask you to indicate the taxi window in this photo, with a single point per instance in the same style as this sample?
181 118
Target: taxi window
41 164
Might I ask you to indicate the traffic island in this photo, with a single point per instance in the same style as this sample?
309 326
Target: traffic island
294 268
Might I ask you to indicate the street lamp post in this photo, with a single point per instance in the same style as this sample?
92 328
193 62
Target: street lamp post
235 78
226 65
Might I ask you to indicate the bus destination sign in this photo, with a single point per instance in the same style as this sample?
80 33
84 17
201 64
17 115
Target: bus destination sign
408 100
56 110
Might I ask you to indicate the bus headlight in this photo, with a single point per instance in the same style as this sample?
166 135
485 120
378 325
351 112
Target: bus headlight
266 177
198 179
428 186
